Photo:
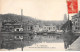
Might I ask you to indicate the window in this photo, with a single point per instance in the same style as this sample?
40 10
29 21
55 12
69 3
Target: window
31 28
75 27
17 29
21 37
49 28
75 19
18 37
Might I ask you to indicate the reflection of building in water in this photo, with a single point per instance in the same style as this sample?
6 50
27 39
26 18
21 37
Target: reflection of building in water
76 22
49 28
18 29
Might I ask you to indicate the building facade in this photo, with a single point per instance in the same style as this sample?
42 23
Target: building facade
49 28
37 28
76 22
8 26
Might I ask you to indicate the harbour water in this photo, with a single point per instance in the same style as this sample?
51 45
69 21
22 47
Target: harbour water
41 43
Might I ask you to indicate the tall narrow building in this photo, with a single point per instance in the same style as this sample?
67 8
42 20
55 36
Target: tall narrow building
65 18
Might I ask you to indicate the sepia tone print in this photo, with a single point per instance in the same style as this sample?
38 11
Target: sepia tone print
39 25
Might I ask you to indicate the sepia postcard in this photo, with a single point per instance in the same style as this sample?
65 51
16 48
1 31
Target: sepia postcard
39 25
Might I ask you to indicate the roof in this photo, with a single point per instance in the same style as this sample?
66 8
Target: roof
77 15
66 25
29 24
13 24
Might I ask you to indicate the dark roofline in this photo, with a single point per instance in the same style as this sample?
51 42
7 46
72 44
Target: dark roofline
76 14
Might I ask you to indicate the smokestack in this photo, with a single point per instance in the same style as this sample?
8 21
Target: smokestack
21 14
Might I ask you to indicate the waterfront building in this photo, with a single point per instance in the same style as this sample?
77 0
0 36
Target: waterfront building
37 28
76 22
9 26
49 28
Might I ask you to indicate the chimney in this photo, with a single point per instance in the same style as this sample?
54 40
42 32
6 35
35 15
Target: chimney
21 14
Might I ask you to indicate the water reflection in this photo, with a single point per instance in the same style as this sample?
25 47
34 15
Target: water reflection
37 39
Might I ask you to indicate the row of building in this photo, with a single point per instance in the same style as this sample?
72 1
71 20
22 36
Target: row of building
8 26
48 28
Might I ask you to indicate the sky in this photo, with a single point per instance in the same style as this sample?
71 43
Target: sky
39 9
